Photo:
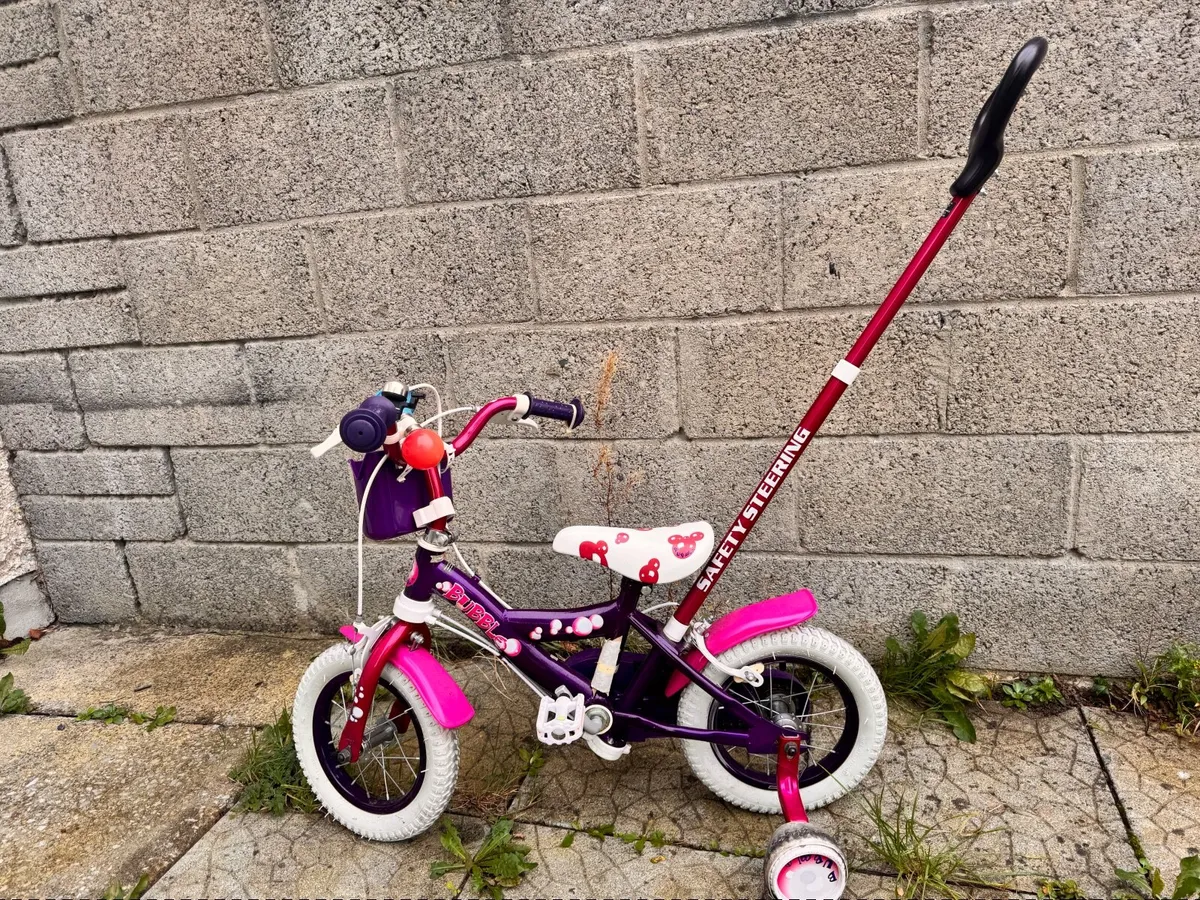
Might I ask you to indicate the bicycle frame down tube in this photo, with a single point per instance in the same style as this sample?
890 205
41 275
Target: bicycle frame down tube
798 442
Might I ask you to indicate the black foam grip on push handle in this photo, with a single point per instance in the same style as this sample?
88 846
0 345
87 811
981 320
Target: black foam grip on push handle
571 413
987 137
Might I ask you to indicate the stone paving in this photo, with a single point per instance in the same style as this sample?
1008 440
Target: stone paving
89 803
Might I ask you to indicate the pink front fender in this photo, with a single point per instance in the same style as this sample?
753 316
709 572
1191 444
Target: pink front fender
437 690
743 624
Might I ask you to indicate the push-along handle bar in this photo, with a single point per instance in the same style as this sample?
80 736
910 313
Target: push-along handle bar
987 137
986 151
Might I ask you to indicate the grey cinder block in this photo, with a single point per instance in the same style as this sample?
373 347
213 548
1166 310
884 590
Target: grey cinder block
1140 500
294 156
1075 98
177 426
1140 231
102 518
40 426
1002 496
509 130
112 379
27 32
444 266
678 255
817 95
266 495
850 236
34 93
133 53
561 363
1063 368
91 180
93 472
757 379
35 378
332 40
222 286
234 586
87 581
59 269
67 322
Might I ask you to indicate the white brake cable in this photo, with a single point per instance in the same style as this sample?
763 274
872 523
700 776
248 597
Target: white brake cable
437 395
650 609
750 674
362 512
449 412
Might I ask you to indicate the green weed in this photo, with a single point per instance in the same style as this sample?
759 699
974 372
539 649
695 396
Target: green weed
112 714
928 672
271 772
115 891
568 840
1031 693
930 860
499 862
1147 881
13 700
655 839
1060 890
1169 687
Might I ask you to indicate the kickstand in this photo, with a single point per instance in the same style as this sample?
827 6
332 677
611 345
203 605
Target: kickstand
787 773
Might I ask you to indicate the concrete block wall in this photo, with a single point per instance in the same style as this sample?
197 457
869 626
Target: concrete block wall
223 222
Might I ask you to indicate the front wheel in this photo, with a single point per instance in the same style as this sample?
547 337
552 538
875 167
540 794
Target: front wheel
402 781
810 677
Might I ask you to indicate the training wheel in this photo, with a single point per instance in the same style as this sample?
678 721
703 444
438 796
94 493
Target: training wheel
803 863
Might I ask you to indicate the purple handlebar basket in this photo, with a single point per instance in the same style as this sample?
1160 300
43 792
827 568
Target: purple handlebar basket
391 503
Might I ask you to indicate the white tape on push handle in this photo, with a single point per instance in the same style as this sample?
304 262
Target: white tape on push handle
846 372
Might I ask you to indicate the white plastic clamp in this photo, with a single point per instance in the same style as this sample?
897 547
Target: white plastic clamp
752 675
846 372
439 508
522 409
406 609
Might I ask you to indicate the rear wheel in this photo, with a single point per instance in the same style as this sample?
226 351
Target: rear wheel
810 677
401 783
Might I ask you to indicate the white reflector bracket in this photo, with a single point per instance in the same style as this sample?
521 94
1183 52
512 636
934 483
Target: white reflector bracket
441 508
846 372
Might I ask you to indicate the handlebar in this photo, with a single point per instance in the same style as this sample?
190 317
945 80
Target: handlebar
364 428
987 136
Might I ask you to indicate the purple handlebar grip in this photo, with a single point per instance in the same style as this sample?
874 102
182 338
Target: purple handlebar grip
364 428
571 413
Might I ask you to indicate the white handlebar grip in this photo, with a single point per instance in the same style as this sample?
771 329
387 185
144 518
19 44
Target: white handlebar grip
335 438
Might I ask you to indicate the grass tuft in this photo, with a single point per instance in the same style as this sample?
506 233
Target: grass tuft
930 860
112 714
1030 694
1168 688
115 891
271 773
928 672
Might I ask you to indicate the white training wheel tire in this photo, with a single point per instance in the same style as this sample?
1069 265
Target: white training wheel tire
813 645
803 863
440 754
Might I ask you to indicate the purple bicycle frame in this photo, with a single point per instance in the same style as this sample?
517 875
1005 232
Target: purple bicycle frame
618 616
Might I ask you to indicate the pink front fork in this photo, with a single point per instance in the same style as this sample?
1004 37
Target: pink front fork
787 774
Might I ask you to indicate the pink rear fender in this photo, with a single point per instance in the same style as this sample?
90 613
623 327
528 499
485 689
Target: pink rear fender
743 624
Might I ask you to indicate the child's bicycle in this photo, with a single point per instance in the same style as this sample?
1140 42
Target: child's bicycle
774 715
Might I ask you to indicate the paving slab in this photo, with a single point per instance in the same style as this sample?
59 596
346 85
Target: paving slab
1033 784
87 803
1156 774
229 679
306 855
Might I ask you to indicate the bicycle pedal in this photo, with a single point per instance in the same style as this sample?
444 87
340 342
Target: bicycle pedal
560 719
